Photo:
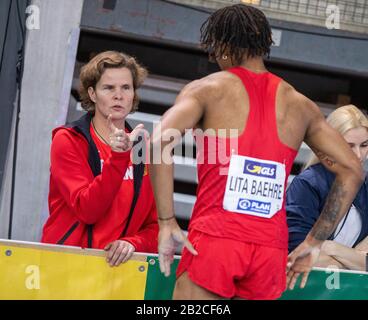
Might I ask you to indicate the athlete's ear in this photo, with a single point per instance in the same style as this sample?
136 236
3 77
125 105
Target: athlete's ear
224 60
225 55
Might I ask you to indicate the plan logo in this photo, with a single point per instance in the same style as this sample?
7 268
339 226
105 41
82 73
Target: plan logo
254 206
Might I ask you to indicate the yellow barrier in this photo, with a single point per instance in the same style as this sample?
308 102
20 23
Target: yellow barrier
37 271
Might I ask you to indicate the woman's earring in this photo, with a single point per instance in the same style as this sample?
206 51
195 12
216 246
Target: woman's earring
224 57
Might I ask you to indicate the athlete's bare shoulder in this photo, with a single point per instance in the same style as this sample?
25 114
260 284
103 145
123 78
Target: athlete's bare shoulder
211 87
297 104
295 114
220 80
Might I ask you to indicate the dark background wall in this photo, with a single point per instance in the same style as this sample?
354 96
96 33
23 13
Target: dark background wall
12 32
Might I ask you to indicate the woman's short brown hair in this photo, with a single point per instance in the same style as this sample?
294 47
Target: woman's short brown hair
91 73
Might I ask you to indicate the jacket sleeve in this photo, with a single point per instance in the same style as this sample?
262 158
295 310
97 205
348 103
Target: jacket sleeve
146 238
88 197
303 205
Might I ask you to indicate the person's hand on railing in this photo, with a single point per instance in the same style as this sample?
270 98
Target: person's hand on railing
300 262
119 251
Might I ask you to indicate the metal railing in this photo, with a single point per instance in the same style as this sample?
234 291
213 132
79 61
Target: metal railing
351 11
352 14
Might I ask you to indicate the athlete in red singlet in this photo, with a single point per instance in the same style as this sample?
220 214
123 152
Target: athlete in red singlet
237 242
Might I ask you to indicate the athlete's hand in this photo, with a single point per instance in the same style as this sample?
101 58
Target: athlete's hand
119 251
301 261
120 141
169 237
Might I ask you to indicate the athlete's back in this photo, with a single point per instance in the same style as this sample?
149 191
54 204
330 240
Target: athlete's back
242 179
226 104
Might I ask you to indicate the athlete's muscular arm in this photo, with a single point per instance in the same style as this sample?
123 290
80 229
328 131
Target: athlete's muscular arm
185 114
336 155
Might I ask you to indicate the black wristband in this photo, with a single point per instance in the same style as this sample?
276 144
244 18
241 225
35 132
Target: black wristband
166 219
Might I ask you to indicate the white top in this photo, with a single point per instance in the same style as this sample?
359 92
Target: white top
350 230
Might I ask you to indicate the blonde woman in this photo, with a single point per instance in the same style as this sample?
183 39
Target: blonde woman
348 245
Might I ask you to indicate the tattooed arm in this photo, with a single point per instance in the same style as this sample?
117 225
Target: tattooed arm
336 155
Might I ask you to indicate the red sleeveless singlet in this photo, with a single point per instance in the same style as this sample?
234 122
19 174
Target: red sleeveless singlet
244 199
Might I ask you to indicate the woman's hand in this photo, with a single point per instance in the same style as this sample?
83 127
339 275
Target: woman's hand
119 251
120 141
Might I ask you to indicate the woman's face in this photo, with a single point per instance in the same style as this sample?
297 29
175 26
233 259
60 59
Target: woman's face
114 93
357 138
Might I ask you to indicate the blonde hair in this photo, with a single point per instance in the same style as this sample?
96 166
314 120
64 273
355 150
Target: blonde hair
91 73
343 119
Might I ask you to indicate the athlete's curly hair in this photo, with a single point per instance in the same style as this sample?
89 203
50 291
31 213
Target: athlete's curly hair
242 29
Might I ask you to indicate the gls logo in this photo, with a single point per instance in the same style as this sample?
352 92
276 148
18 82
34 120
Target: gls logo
260 169
254 206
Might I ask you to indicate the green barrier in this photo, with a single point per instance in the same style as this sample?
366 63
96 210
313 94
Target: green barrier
323 284
159 287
